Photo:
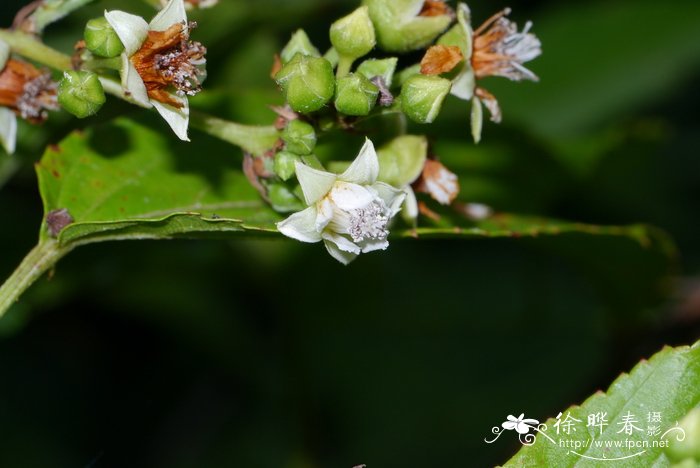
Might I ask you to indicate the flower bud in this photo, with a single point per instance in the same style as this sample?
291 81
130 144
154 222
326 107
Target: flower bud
383 68
355 95
299 138
689 447
80 93
307 82
101 39
299 43
353 36
284 164
401 27
401 161
282 199
422 97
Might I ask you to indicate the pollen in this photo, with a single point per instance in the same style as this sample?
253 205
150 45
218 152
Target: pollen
369 222
500 49
28 91
168 60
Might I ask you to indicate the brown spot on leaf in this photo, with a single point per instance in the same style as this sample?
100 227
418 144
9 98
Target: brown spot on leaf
53 147
55 173
440 59
56 220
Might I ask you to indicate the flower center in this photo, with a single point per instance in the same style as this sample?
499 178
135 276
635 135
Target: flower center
169 59
369 222
27 90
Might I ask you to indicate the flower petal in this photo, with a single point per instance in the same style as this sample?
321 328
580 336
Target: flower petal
393 197
133 84
325 214
464 84
173 12
315 184
364 169
410 207
477 119
177 118
131 29
8 129
348 196
370 245
464 16
342 242
4 53
342 257
301 226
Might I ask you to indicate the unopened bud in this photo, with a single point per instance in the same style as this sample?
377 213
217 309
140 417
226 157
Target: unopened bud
299 43
284 164
308 83
688 447
299 138
81 93
355 95
383 68
422 97
401 27
353 36
101 39
401 161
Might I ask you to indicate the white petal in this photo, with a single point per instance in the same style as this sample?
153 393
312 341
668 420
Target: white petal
410 207
464 84
342 242
131 29
133 84
4 53
315 184
342 257
177 118
301 226
351 196
365 168
392 197
464 17
370 245
173 12
477 119
8 129
325 214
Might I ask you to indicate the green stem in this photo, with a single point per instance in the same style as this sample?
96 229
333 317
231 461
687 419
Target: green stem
37 262
254 139
28 46
344 66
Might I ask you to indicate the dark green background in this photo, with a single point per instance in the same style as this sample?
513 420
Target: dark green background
268 353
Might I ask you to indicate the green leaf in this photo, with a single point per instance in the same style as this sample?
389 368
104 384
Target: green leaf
669 384
126 181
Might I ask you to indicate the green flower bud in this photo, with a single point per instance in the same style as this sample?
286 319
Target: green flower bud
282 199
689 448
353 36
355 95
307 82
299 43
81 93
400 28
299 137
101 39
284 164
383 68
401 161
422 97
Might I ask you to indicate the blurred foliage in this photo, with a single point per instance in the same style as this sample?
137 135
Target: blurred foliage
266 353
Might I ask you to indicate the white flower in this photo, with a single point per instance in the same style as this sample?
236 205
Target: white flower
160 65
349 212
496 48
522 426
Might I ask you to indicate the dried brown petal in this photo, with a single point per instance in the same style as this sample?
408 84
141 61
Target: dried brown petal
440 59
435 8
438 182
